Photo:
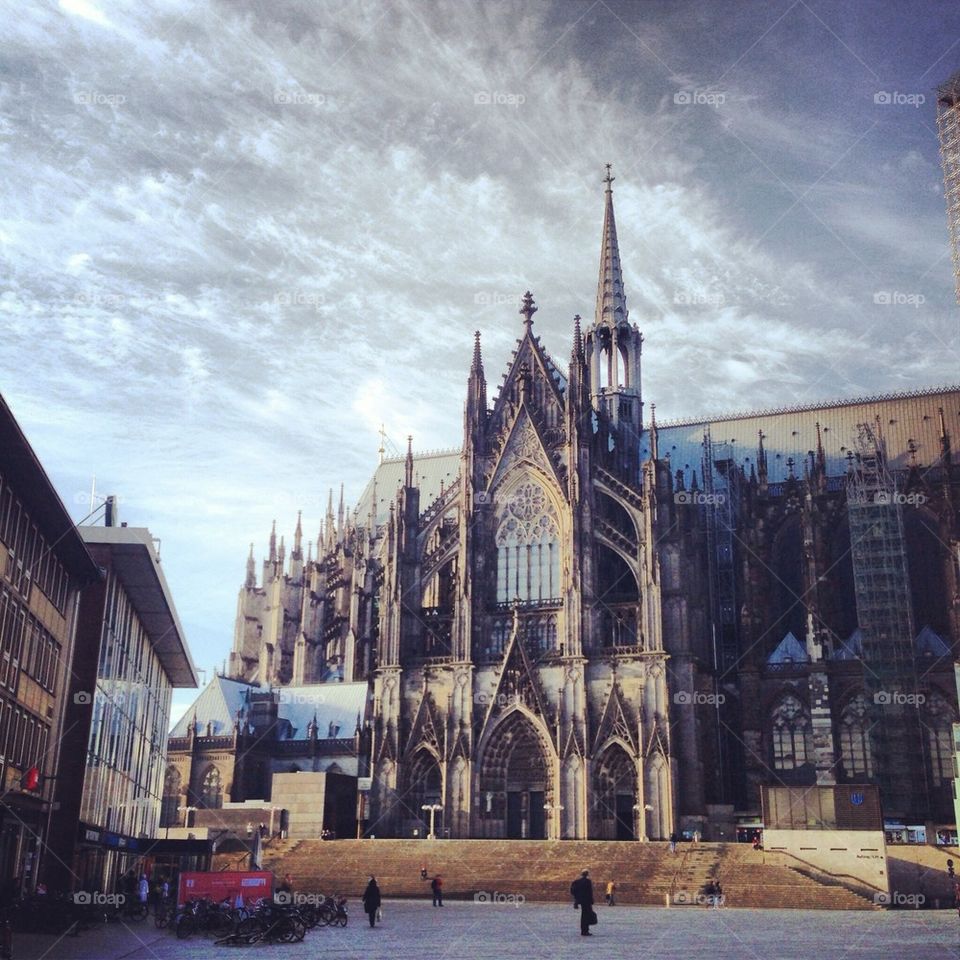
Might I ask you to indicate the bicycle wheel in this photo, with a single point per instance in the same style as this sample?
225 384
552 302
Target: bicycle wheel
341 919
326 915
185 927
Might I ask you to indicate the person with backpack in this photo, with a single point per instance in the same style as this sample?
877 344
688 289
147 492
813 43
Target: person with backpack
436 885
582 892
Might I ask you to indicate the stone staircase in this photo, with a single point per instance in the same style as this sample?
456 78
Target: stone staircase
645 873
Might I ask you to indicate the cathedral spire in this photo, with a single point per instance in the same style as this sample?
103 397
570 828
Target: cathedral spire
576 353
408 466
477 366
341 532
611 302
273 542
298 537
654 434
251 569
761 461
329 529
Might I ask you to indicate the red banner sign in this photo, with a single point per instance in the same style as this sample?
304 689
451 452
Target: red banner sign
225 884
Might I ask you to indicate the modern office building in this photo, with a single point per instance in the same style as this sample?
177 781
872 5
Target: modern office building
130 654
43 565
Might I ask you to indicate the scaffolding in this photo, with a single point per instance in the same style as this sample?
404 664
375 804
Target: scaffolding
885 616
948 128
722 489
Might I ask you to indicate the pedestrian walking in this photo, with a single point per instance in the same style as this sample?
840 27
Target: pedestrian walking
144 889
611 891
371 900
436 885
582 892
673 841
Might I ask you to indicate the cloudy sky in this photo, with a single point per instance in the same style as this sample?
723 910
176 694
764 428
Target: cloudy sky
238 236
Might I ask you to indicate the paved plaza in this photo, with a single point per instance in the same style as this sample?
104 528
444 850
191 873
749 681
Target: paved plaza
476 931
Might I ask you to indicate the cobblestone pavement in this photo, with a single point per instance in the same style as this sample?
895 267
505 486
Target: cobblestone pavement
477 931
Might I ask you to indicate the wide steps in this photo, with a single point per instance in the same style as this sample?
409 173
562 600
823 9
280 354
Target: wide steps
645 873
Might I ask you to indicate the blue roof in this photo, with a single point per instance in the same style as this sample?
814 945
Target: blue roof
851 648
789 650
930 644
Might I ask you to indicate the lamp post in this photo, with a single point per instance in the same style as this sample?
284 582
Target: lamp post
432 808
554 808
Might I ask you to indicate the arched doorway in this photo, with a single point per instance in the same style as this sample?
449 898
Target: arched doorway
515 782
424 787
614 794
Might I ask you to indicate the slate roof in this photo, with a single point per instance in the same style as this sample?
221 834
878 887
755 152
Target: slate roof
792 432
429 469
338 704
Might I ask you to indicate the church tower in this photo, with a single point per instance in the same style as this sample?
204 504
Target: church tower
612 347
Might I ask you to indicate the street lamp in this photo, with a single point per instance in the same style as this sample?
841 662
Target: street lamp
432 808
552 808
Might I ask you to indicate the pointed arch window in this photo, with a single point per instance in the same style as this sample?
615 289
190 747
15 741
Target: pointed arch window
854 737
791 734
211 790
170 805
528 546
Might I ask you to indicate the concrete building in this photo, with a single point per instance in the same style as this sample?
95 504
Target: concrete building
130 653
43 566
588 624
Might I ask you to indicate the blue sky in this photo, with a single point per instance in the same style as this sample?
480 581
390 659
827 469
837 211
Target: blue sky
236 237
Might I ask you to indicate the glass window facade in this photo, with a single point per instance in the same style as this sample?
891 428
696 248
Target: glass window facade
126 756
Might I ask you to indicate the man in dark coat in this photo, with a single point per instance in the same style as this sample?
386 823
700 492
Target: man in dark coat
371 900
582 892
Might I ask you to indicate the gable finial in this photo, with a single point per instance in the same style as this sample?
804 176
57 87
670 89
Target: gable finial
528 309
609 178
